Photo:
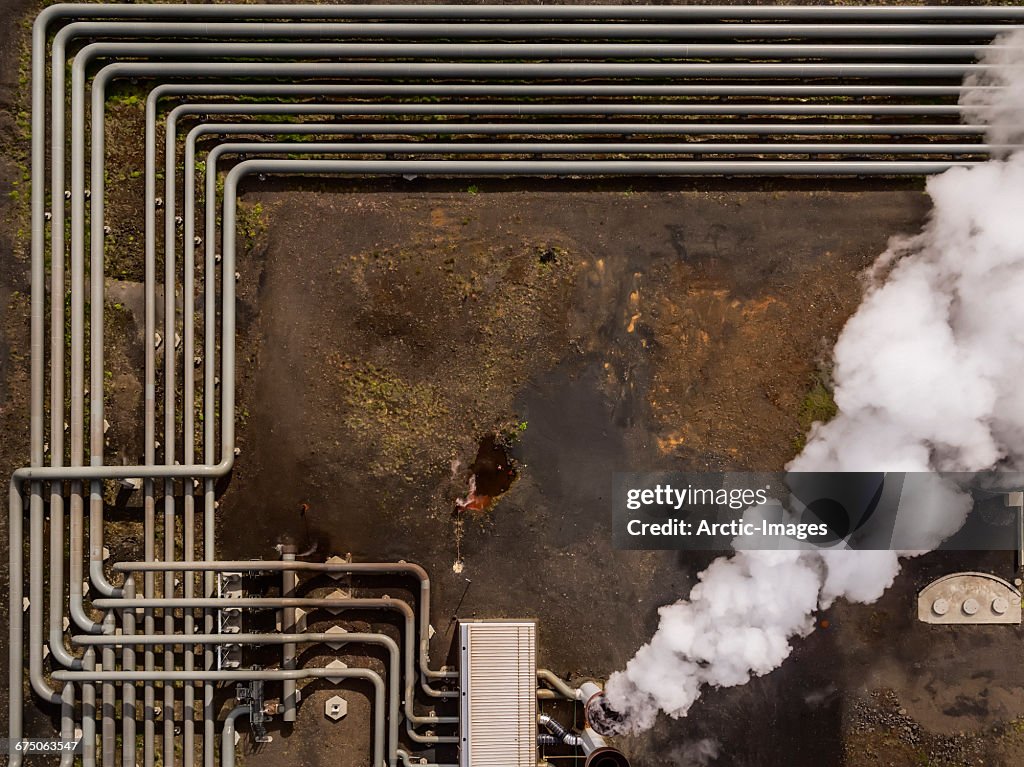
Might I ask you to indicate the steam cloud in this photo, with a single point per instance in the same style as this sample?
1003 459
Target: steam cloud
927 377
695 753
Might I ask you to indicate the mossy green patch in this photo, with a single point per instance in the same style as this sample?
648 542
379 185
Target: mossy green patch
818 406
396 413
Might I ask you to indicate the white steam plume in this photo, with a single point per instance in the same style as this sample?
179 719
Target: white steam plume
927 377
695 753
995 95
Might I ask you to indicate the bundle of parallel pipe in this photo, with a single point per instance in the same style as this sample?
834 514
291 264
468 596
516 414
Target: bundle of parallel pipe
439 90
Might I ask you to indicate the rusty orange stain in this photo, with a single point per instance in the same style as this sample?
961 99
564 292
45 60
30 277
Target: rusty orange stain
671 442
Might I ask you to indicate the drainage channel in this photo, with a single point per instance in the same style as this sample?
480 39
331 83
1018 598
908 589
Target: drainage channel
593 90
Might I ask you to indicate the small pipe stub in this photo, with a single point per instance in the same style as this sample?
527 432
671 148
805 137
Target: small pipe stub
288 548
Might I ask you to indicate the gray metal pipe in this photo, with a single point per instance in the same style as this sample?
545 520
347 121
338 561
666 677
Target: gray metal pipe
187 240
253 166
187 356
67 722
227 743
109 729
361 603
188 166
559 731
39 684
505 12
170 426
518 71
427 147
96 509
460 31
590 108
76 607
548 146
289 686
88 707
642 129
97 420
128 713
504 50
536 90
211 170
149 489
188 521
557 683
168 333
289 583
573 169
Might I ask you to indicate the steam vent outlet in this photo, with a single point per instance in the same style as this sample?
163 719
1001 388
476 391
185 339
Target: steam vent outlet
600 716
601 720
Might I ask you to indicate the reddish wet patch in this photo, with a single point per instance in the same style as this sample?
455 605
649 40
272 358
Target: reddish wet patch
491 475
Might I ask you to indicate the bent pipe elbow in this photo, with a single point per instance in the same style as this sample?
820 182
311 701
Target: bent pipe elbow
427 739
99 579
60 652
16 620
560 686
227 742
76 608
42 688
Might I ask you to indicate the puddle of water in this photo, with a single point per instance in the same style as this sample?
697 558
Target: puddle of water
491 475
